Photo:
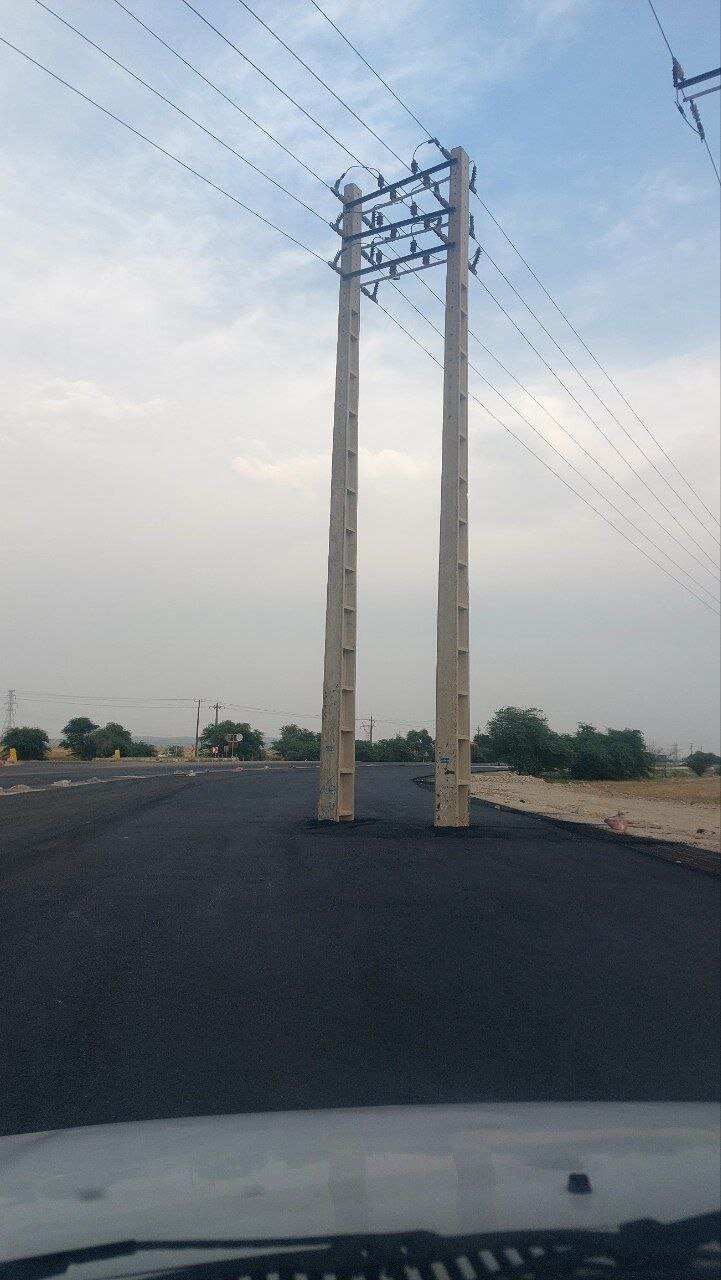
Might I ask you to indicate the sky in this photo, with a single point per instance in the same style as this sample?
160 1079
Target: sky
168 365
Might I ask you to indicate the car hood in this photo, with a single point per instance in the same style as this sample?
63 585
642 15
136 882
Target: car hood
449 1169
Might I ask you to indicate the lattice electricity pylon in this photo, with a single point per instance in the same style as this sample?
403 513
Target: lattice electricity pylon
369 228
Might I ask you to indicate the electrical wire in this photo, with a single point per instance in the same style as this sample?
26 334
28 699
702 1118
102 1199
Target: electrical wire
548 467
168 101
377 75
593 391
594 423
320 216
539 403
275 85
564 353
663 33
529 268
320 81
156 145
59 79
231 101
713 162
579 473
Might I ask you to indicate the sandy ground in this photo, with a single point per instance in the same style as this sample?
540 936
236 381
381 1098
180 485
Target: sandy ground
685 819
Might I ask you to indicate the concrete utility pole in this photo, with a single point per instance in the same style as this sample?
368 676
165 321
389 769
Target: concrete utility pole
337 751
197 730
216 705
453 731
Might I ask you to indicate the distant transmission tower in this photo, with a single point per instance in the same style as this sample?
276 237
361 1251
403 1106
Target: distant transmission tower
11 703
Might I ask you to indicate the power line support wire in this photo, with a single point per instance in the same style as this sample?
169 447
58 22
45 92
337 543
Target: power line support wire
336 783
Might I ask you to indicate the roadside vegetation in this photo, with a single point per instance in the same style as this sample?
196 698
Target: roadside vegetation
520 737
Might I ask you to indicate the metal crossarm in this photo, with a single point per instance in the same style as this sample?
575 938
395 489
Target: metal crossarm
402 183
422 216
392 263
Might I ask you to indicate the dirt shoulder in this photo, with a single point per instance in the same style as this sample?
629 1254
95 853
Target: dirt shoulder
670 809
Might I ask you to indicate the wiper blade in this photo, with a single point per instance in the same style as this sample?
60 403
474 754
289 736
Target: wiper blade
640 1243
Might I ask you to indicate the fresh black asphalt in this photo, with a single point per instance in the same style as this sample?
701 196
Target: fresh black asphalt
183 945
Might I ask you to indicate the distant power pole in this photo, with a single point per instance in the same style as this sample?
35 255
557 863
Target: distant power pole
336 801
197 730
217 706
10 711
370 731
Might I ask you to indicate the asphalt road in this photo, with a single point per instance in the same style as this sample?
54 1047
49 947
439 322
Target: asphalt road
182 945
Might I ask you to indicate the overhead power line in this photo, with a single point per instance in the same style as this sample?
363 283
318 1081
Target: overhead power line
231 101
552 417
658 23
318 257
168 101
592 389
680 82
490 293
597 425
557 307
275 85
548 467
530 310
574 468
303 204
320 80
169 154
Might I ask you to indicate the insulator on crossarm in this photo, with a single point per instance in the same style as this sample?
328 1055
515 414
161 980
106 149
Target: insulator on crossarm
413 208
677 72
394 270
414 245
474 263
381 181
414 166
697 118
472 183
471 227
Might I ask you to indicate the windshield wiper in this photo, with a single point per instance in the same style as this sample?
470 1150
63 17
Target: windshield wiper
640 1244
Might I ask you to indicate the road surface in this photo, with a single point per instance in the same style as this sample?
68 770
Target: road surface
178 945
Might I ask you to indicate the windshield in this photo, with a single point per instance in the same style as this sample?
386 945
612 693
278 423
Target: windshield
360 769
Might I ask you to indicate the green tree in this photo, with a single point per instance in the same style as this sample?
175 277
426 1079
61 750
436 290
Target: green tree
248 747
481 749
365 751
139 748
618 754
295 743
520 736
78 738
111 738
699 762
30 744
397 749
421 744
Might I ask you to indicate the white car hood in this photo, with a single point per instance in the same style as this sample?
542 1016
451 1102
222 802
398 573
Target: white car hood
449 1169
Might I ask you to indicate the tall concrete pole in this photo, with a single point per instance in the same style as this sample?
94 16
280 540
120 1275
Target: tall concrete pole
337 749
453 726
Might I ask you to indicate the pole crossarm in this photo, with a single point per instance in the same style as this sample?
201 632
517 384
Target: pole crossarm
391 188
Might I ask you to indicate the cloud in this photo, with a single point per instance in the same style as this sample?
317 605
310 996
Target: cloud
311 472
82 397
